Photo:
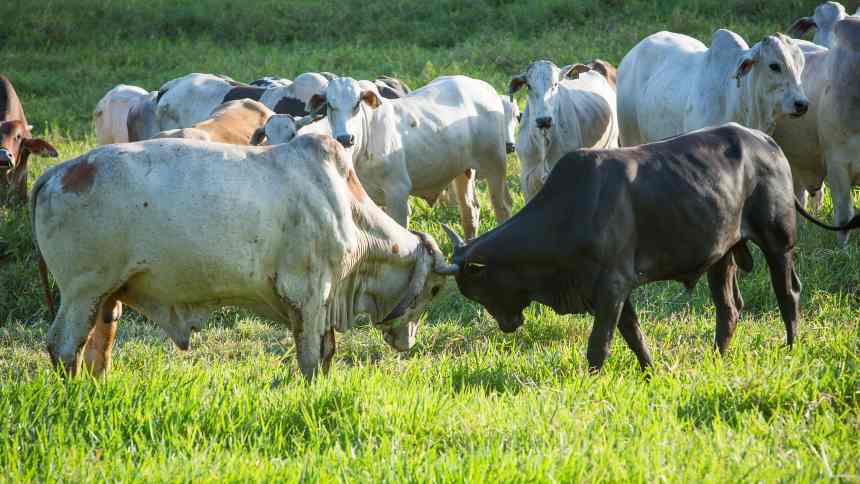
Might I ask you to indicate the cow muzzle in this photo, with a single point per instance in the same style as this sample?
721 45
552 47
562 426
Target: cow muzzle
800 108
5 158
509 325
346 140
544 122
510 148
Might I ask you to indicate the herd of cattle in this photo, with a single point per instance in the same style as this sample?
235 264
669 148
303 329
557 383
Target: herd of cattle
268 195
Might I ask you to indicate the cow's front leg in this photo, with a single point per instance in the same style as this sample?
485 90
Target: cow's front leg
468 203
839 179
609 303
721 280
327 350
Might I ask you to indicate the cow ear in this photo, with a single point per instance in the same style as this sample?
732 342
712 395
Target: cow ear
573 71
371 99
516 84
258 136
744 68
801 26
40 147
316 104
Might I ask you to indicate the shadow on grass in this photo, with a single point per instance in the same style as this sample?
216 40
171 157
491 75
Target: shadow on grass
704 411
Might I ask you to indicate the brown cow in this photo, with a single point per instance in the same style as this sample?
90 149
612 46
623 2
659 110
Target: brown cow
16 143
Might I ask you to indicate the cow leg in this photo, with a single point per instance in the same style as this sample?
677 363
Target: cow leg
736 290
500 197
721 281
628 325
839 179
608 308
327 350
467 200
70 331
99 346
787 287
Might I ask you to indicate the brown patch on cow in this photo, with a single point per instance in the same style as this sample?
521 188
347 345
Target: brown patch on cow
395 248
79 177
355 186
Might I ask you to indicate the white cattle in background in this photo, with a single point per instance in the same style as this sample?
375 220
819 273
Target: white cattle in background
826 142
671 83
420 143
111 113
178 228
824 20
567 110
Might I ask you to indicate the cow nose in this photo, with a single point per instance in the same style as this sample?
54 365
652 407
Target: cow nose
801 107
5 157
544 122
510 147
346 140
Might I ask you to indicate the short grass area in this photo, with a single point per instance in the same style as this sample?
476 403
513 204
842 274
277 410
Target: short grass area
468 403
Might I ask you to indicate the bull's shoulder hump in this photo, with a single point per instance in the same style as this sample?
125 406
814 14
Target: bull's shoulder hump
724 39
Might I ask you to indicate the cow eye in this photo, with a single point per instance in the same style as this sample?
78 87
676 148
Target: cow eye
775 67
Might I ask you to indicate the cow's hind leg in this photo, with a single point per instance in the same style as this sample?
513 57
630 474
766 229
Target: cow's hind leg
99 347
722 282
467 200
787 287
628 325
500 197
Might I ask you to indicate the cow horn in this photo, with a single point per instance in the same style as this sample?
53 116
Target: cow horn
456 240
423 264
306 120
440 262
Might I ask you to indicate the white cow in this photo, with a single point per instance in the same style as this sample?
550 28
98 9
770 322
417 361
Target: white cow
670 84
141 122
824 20
111 113
829 144
420 143
567 110
281 128
191 99
178 228
234 122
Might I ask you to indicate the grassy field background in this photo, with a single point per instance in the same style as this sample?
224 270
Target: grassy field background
468 403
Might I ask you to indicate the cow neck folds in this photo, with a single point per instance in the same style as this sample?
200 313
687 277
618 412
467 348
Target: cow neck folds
361 152
385 257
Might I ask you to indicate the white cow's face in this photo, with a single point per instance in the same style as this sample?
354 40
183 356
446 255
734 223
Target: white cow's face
774 67
401 336
512 120
542 78
341 104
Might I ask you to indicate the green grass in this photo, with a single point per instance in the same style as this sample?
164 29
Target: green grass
468 403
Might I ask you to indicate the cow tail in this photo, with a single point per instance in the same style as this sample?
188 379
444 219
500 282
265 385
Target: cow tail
853 224
43 268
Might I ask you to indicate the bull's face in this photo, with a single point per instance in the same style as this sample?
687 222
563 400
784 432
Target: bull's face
497 288
775 65
281 128
341 104
401 333
542 78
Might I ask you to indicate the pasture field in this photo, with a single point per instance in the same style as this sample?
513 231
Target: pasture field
468 403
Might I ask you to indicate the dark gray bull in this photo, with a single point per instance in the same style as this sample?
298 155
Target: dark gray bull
609 221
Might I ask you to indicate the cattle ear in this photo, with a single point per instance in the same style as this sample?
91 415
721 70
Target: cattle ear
515 85
744 68
40 147
258 136
573 71
316 104
371 99
801 26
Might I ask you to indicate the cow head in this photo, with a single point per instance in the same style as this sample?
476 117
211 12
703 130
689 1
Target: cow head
400 327
824 20
542 79
281 128
774 67
342 103
16 145
512 120
497 287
